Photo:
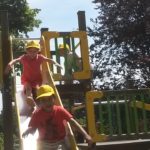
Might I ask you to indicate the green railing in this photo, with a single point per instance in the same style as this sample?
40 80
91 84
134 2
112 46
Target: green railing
119 115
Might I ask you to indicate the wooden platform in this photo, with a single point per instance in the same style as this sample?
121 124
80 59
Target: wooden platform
140 144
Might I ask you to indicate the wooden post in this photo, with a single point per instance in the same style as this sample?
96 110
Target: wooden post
6 91
44 29
81 20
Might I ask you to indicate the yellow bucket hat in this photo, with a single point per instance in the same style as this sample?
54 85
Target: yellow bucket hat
44 91
34 44
62 46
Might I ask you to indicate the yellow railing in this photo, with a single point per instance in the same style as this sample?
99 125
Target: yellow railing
118 115
91 96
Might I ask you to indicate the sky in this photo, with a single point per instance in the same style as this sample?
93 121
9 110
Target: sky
61 16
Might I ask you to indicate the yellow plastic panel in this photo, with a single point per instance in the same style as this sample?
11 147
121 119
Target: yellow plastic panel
47 37
86 73
140 105
90 96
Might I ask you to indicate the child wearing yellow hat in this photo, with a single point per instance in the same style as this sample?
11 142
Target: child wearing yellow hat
50 121
72 60
31 76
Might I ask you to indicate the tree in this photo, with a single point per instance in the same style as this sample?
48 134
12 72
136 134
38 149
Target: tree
22 19
121 44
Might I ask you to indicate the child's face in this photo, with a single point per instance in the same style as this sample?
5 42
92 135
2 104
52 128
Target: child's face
32 52
46 102
62 52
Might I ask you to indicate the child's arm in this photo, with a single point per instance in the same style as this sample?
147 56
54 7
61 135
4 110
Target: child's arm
10 64
30 130
53 62
79 128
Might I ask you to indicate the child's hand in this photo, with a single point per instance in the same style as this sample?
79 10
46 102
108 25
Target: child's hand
30 130
25 134
61 67
58 65
89 141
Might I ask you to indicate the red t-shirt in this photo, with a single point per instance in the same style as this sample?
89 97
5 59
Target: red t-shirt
51 125
32 70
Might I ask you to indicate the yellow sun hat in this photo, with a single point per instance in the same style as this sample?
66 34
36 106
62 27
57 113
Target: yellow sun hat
33 44
65 47
44 91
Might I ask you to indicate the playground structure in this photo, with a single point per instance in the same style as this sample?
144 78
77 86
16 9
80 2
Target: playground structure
107 115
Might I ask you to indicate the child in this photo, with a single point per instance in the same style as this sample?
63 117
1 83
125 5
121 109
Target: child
31 77
72 60
50 121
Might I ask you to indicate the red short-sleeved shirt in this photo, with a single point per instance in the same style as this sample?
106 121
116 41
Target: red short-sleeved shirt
51 125
32 70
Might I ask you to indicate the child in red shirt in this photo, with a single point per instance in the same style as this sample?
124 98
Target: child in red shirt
31 77
50 121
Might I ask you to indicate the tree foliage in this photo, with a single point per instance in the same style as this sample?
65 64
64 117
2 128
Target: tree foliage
22 19
121 44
